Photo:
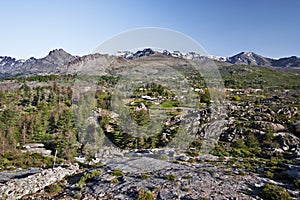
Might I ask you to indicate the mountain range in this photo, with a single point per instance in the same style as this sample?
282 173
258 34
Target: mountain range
58 61
250 58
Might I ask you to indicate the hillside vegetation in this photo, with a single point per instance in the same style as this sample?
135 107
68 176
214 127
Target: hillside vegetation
261 130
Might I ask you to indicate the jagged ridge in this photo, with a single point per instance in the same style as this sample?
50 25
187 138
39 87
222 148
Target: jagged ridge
59 61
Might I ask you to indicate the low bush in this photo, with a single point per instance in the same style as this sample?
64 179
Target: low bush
269 174
145 176
117 172
170 177
145 195
170 103
53 189
236 98
274 192
114 181
87 176
297 183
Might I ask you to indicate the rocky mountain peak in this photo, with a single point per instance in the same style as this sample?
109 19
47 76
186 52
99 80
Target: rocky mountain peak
249 58
11 67
59 55
144 52
58 52
57 59
138 54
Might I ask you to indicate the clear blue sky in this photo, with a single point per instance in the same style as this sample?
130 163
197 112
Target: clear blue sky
222 27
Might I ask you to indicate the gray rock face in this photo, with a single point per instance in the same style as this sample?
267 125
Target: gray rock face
17 188
9 175
167 181
264 125
293 172
289 142
138 164
296 127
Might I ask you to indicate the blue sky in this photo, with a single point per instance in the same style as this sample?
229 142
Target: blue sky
223 27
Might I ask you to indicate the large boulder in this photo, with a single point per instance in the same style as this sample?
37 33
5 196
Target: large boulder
295 128
288 142
17 188
265 126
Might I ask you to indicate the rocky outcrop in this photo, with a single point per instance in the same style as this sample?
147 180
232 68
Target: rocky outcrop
289 142
296 127
17 188
35 148
293 171
166 181
268 126
19 173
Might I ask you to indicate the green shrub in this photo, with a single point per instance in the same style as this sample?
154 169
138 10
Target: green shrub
77 195
163 157
145 176
269 174
170 177
141 117
26 160
193 153
170 103
242 173
297 183
204 198
53 189
274 192
117 172
145 195
236 98
205 98
114 181
239 144
87 176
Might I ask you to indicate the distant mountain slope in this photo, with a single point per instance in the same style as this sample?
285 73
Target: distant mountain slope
59 62
250 58
12 67
292 61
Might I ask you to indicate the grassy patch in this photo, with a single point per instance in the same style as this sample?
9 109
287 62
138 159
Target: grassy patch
114 181
170 177
145 176
53 189
117 172
88 175
170 104
145 195
274 192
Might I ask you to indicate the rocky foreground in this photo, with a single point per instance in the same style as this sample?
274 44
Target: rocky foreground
169 181
20 183
125 177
